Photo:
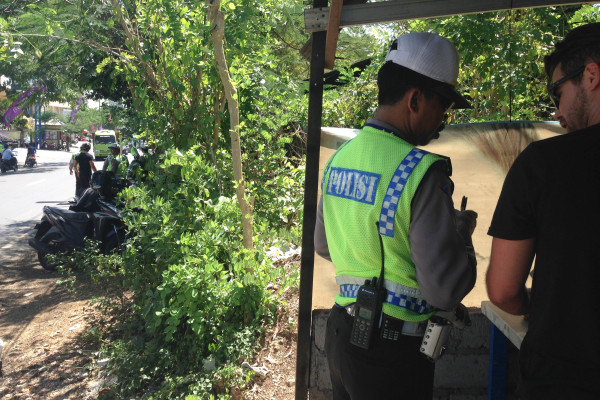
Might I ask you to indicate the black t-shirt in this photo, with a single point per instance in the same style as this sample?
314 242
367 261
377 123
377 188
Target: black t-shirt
83 163
551 194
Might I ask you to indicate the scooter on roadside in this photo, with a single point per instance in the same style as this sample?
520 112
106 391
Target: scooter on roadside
92 216
60 231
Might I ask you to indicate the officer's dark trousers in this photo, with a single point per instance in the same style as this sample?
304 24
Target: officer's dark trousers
389 370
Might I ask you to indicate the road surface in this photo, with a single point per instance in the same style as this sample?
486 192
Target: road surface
26 191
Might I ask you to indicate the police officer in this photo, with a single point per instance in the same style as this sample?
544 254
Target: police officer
379 186
116 162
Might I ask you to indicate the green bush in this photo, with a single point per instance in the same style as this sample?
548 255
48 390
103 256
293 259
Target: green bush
198 297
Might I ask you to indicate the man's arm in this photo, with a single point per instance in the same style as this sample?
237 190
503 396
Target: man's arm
445 261
510 263
75 168
320 238
93 165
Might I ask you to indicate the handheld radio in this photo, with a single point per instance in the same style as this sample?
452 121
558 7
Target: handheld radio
367 312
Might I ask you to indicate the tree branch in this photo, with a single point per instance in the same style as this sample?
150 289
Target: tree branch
149 72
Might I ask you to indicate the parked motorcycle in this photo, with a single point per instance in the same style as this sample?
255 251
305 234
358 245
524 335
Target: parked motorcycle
109 227
62 231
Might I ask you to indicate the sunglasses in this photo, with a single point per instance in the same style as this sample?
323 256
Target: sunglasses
445 102
552 88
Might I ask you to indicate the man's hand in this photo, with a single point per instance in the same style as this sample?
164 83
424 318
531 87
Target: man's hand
466 221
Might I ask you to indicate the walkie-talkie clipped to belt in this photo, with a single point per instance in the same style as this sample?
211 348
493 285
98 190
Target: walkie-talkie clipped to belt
369 302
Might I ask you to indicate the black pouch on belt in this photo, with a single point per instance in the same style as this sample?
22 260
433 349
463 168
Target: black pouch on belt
391 328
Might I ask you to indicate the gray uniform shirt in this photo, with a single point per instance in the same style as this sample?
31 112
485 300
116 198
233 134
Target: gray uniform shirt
445 261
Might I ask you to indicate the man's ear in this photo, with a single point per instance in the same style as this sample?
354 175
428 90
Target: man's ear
413 99
592 75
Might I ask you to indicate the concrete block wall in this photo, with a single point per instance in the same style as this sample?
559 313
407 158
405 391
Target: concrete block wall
461 374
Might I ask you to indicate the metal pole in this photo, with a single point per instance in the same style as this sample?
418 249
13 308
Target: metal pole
315 111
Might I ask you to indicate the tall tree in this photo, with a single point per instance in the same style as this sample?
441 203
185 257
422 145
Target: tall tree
217 20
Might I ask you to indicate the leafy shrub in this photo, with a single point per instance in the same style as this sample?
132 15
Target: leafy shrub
198 296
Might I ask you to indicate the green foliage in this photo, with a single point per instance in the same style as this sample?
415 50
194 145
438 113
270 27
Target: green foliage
501 63
84 119
198 295
354 103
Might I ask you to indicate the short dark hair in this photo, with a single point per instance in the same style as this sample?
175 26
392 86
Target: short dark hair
395 80
579 47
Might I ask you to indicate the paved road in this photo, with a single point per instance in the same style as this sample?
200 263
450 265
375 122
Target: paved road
23 194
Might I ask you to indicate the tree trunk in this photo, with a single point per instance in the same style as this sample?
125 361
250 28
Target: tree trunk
217 34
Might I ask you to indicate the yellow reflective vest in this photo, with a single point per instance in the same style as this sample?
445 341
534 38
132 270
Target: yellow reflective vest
373 179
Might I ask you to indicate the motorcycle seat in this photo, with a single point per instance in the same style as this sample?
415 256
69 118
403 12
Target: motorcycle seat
74 216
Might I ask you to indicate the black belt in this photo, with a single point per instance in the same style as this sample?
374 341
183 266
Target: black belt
409 328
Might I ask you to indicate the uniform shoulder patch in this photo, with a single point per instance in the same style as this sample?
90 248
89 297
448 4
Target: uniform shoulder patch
352 184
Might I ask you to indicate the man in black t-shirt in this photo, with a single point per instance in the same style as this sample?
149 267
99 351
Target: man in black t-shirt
549 209
83 165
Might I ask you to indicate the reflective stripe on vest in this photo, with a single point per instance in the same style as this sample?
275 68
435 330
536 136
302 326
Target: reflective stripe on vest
397 294
394 191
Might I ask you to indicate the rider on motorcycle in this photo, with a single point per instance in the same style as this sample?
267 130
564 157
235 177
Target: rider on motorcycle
30 152
6 153
8 156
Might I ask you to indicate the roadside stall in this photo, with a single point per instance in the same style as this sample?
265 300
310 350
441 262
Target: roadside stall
53 137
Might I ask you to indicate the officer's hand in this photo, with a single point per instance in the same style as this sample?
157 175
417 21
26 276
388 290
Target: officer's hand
466 221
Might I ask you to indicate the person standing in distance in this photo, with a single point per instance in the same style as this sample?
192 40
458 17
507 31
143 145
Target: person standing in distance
380 187
116 162
549 210
83 165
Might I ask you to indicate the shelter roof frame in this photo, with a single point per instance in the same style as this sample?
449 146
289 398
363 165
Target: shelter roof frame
316 19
